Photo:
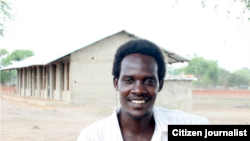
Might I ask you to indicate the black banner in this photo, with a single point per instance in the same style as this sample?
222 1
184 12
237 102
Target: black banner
209 132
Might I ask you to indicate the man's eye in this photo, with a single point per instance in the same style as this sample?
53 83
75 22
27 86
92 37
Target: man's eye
128 80
149 81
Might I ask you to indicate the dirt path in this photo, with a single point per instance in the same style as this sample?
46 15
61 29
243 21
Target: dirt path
223 107
26 122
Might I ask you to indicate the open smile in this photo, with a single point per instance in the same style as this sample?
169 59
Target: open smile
138 101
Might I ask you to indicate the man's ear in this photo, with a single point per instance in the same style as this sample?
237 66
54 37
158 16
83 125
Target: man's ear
115 82
161 85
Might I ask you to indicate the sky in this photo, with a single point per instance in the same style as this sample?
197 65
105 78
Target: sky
219 31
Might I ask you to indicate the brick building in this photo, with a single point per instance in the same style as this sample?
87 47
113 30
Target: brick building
83 77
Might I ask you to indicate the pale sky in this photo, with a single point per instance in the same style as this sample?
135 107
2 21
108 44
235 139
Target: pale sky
184 28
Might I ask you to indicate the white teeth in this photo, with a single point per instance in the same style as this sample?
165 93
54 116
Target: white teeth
138 101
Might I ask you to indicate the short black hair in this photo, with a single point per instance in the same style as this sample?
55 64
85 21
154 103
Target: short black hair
140 46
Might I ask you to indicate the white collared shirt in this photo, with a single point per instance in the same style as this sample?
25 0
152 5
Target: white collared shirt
108 129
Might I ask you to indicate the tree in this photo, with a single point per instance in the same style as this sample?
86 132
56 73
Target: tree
172 71
4 15
3 52
5 77
16 55
224 78
246 2
240 78
245 8
206 71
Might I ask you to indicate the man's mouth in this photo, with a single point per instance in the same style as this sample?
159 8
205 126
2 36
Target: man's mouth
138 101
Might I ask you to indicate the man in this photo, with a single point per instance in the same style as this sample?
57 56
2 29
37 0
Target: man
139 71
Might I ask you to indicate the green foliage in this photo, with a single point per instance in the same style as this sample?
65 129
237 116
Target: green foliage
246 7
210 75
173 71
247 3
16 55
3 52
205 70
4 14
5 76
240 78
224 78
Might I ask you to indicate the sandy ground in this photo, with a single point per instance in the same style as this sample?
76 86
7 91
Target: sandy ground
223 108
21 121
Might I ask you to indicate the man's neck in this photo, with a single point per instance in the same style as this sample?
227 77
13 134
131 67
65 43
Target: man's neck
136 128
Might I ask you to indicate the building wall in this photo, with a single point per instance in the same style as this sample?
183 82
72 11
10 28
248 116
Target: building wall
91 72
66 89
43 82
176 94
44 89
91 78
41 85
57 91
27 77
61 91
28 83
91 81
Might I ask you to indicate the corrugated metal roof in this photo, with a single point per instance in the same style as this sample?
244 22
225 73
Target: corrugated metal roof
36 60
172 57
44 59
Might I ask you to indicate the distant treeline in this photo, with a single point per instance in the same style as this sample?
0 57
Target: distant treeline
7 59
210 76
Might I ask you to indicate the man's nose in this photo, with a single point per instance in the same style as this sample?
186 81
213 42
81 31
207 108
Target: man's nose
138 88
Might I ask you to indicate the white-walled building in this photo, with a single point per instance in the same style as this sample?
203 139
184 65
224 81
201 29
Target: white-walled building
83 77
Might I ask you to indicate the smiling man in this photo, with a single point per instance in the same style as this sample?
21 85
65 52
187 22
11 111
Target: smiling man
139 71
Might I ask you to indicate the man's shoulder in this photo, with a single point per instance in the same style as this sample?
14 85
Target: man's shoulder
94 130
98 125
178 116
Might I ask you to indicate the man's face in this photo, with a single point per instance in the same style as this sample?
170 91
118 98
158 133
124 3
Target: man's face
138 85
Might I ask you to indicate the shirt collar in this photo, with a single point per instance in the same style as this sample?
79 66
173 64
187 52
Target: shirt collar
160 120
115 134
